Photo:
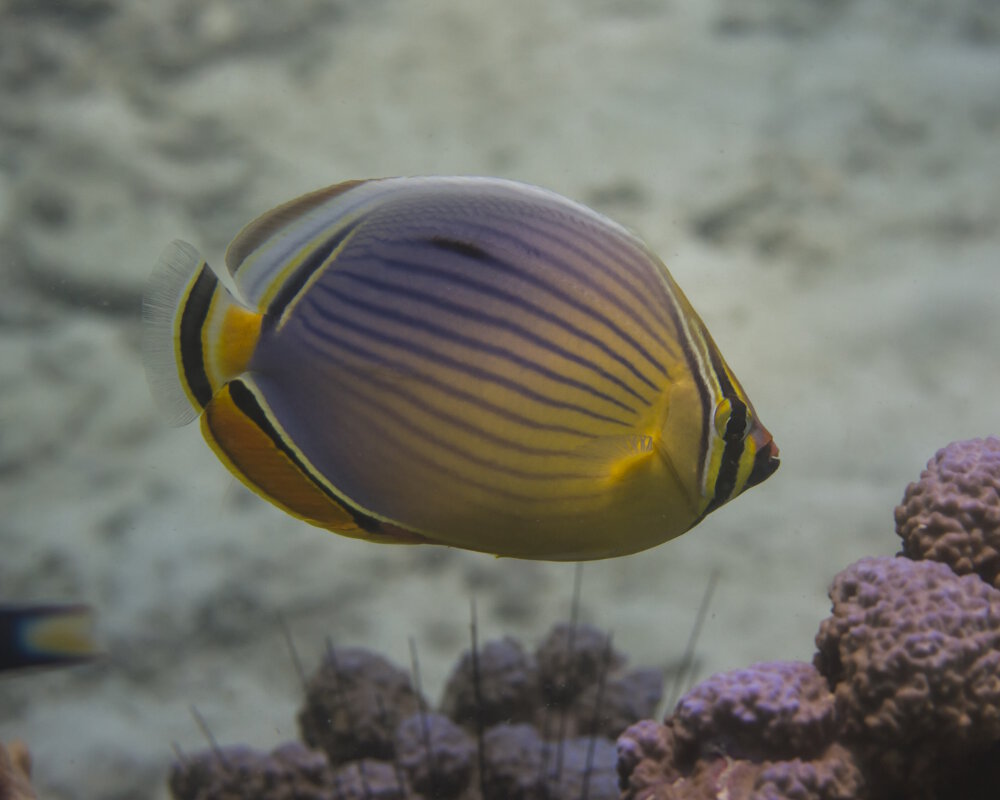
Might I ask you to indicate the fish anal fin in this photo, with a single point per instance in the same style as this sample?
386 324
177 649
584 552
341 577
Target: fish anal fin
244 437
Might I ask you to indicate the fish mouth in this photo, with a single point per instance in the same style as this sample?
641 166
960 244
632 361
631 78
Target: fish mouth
764 464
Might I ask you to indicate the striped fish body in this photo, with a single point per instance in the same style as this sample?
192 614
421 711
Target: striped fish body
465 361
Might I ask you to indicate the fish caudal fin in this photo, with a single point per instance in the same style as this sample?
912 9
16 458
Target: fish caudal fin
196 334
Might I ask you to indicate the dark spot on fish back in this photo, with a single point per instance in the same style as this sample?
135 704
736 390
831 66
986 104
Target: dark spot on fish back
462 248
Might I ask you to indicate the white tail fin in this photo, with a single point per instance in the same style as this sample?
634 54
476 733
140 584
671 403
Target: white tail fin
167 291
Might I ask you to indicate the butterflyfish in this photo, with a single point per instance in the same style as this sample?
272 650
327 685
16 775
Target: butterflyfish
464 361
45 636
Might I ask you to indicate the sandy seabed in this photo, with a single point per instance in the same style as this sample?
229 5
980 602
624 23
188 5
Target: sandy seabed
822 178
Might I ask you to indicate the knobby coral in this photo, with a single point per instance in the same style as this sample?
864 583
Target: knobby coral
902 699
952 514
762 733
913 653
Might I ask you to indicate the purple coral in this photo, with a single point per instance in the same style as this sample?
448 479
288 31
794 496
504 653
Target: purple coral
508 686
835 776
571 658
354 703
374 742
365 779
913 653
557 689
291 771
779 709
520 765
903 699
651 768
952 514
436 754
646 759
765 732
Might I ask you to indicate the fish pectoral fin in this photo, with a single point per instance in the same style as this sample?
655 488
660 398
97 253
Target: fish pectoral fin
614 456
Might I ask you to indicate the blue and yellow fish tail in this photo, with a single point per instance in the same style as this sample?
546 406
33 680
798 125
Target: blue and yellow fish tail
45 635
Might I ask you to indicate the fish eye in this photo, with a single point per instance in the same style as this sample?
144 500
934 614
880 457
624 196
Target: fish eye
724 414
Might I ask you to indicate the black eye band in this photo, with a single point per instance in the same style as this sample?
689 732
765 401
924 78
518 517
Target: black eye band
729 466
736 428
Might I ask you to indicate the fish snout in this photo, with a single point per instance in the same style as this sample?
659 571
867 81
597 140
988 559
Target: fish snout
766 461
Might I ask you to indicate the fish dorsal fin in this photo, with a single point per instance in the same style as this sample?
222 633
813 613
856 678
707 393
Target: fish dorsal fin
263 227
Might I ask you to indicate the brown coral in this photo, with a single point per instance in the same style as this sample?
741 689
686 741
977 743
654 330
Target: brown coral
952 514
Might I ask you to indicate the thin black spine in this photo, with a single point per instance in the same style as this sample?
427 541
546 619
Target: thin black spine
425 730
687 659
179 755
477 691
199 720
595 722
293 653
331 657
574 618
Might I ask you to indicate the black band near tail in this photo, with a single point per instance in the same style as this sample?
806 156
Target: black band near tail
196 307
